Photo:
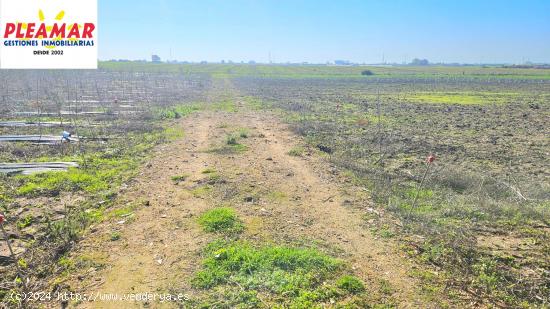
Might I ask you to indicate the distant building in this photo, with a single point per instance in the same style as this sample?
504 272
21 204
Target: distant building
156 59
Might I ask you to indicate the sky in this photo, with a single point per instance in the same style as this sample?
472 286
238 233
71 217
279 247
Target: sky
317 31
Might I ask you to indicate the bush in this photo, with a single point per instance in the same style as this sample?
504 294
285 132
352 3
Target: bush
367 73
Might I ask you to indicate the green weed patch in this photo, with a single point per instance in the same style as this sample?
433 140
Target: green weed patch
275 276
175 112
462 98
221 220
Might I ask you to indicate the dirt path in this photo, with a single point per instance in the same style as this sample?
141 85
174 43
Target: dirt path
281 198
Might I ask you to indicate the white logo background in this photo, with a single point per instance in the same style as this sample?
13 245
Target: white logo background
26 11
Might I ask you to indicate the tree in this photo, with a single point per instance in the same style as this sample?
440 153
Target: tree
417 61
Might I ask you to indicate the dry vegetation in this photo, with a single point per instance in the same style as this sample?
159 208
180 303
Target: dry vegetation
479 226
118 117
483 215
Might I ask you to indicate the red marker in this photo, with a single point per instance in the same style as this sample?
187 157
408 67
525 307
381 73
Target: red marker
2 218
430 159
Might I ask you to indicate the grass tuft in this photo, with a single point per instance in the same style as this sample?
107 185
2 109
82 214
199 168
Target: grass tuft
296 151
351 284
221 220
232 140
208 171
243 133
180 178
231 146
